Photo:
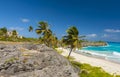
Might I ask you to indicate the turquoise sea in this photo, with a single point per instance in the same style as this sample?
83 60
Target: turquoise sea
110 52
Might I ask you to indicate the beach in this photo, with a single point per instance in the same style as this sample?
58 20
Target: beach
108 66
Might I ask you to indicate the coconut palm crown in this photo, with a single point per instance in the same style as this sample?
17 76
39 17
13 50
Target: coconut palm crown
44 31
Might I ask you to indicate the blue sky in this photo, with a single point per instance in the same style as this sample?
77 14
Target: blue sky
96 19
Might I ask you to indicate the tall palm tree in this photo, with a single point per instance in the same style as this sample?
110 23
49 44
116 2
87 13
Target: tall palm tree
30 28
44 31
72 39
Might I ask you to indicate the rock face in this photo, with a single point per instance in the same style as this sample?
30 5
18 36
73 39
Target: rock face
84 44
30 60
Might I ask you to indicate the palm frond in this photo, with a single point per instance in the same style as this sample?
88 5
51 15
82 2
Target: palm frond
72 31
38 31
30 28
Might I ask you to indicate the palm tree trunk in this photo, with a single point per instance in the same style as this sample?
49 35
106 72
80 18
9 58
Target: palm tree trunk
70 52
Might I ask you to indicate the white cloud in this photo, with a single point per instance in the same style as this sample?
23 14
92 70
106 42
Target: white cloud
91 35
112 30
25 20
16 28
105 36
111 37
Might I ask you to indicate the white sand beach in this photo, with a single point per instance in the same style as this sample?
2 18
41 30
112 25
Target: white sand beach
110 67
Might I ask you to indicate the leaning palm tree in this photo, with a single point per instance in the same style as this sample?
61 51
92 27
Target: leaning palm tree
30 28
72 39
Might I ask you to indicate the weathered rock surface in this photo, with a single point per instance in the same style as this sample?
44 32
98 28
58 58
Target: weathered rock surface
33 61
84 44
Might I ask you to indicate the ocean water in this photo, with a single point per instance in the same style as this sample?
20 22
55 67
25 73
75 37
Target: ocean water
110 52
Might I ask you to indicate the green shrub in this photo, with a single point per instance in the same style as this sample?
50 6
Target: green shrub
91 71
117 75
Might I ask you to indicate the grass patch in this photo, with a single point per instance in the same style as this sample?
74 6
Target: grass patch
23 50
71 58
26 55
91 71
59 51
11 60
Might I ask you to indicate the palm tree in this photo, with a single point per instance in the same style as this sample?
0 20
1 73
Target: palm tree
3 32
30 28
14 33
53 41
46 35
72 39
44 31
42 28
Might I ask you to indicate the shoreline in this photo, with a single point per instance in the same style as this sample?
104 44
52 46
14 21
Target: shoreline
108 66
96 56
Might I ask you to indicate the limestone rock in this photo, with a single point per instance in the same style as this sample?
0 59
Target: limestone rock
28 60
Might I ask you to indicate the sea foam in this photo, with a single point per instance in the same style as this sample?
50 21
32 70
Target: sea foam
110 52
93 53
116 53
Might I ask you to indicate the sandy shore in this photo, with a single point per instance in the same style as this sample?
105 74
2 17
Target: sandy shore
110 67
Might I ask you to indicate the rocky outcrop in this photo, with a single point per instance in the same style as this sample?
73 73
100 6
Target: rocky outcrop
30 60
84 44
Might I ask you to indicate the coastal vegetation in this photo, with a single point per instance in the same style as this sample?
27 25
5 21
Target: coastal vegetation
46 35
13 36
91 71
